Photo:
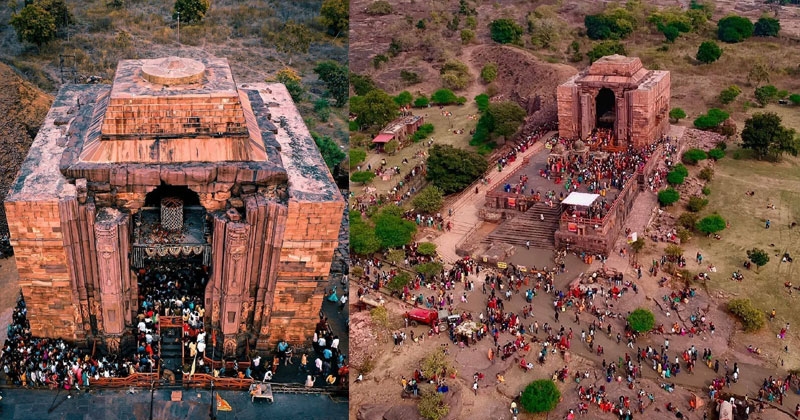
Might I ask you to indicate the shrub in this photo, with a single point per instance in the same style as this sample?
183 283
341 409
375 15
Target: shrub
767 26
616 23
362 83
467 35
684 235
706 191
708 52
423 132
421 101
379 8
734 29
711 224
692 156
681 170
711 120
795 98
668 196
362 177
489 73
429 269
673 251
706 174
505 31
444 97
482 101
696 203
380 316
435 363
752 318
455 75
641 320
540 396
399 281
431 405
716 154
675 178
729 94
687 220
765 94
410 77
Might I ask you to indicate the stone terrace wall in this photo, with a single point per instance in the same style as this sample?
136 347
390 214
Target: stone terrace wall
35 228
311 236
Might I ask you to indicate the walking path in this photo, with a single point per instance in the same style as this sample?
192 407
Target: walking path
467 204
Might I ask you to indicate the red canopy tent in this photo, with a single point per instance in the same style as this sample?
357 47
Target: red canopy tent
382 139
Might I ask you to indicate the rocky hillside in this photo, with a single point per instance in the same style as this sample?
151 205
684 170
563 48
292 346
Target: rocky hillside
22 110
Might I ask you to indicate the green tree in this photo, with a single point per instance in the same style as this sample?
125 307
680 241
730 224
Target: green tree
362 83
190 11
489 72
641 320
336 79
675 178
671 33
795 98
506 118
403 98
668 196
391 229
362 177
362 236
729 94
376 109
426 248
605 48
766 94
34 24
58 9
711 224
395 256
677 114
294 38
733 29
767 26
765 135
429 269
616 23
453 169
711 120
421 101
673 251
335 14
399 281
482 101
429 200
444 97
758 256
332 154
708 52
432 406
505 31
391 146
540 396
356 156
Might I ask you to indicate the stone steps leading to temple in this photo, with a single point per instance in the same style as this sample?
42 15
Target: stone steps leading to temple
528 226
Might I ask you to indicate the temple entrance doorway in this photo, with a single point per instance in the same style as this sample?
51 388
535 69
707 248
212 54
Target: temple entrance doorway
171 259
605 109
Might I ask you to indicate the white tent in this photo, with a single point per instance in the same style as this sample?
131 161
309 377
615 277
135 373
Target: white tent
580 199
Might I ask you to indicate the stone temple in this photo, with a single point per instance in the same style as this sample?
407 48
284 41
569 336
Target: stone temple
618 94
174 163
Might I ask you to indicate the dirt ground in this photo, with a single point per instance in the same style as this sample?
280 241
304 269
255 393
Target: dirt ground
381 383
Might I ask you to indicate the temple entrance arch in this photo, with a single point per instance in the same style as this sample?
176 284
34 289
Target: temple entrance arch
605 109
182 192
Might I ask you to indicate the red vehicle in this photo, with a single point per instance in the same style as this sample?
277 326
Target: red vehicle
418 316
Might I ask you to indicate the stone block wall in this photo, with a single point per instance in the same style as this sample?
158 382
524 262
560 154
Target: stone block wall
310 238
36 234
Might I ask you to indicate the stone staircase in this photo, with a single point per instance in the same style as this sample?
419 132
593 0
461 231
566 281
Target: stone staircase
529 227
172 351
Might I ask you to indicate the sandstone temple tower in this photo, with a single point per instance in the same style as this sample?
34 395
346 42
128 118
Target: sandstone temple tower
174 161
615 93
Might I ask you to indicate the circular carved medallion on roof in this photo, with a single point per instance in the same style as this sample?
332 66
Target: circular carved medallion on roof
173 71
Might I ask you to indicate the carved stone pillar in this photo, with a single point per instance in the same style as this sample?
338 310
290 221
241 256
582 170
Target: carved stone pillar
233 275
621 120
587 115
109 312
